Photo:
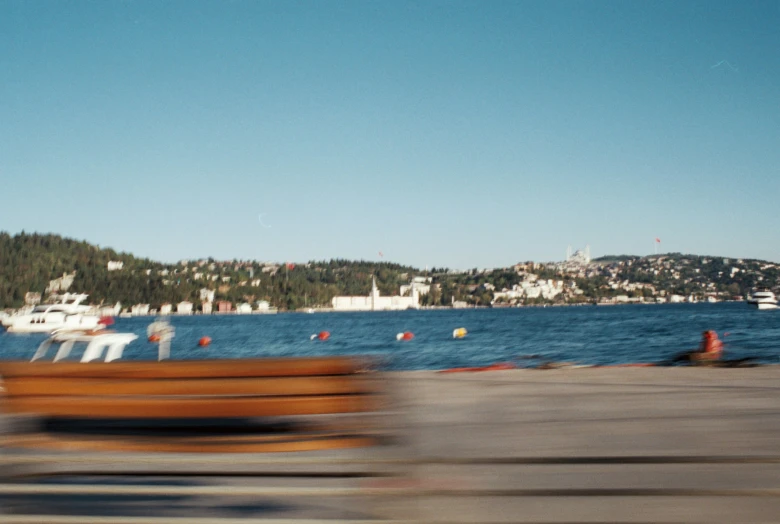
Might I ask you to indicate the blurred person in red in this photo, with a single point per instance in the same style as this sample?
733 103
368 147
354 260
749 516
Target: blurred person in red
710 350
711 347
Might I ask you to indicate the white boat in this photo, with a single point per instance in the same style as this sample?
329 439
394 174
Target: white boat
763 300
68 315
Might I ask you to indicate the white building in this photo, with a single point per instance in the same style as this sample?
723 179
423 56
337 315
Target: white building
421 284
115 265
533 292
139 310
32 298
375 302
243 308
207 307
579 257
61 284
509 294
184 308
206 295
166 309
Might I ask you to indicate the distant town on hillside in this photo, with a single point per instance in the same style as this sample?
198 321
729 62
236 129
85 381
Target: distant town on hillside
37 268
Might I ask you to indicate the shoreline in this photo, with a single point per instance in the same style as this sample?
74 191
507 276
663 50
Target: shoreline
310 311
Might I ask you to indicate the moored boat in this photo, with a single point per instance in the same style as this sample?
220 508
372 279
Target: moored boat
67 315
763 299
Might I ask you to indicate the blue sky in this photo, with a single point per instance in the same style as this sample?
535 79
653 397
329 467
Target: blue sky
460 134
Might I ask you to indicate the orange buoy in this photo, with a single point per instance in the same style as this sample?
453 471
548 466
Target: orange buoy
406 335
204 341
154 338
323 335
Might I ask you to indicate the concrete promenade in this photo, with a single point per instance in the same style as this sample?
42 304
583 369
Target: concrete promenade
574 445
584 418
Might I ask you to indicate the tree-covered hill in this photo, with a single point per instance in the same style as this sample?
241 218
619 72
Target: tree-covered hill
29 262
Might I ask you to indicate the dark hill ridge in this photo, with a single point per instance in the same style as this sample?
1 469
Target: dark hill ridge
29 262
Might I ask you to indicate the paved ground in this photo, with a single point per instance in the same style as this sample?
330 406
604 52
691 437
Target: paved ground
577 445
642 414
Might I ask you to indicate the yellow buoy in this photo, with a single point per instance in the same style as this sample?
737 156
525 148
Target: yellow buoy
459 333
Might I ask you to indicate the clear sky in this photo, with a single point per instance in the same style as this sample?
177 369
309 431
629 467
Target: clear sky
442 133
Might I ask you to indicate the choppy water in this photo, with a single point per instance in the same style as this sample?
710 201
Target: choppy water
587 335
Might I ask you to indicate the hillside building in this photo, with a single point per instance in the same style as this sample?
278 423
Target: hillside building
375 302
243 308
139 310
184 308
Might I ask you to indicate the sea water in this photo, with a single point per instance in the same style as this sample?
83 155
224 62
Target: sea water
525 336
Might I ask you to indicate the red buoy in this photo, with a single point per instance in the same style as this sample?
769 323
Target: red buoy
323 335
154 338
406 335
106 321
204 341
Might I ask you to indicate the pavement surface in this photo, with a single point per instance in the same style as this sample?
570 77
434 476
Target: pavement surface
572 445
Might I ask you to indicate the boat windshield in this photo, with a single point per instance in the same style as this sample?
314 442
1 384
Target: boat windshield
48 308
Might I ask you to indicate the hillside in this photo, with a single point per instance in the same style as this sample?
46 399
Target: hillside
30 262
41 263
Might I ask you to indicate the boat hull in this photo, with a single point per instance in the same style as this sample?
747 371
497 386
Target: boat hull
766 306
48 323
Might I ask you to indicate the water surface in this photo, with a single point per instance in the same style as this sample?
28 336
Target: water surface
527 336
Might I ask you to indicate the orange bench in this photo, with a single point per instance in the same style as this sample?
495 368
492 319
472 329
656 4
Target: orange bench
212 406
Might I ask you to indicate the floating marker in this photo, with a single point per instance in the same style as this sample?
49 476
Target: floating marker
322 335
154 338
204 341
459 333
406 335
